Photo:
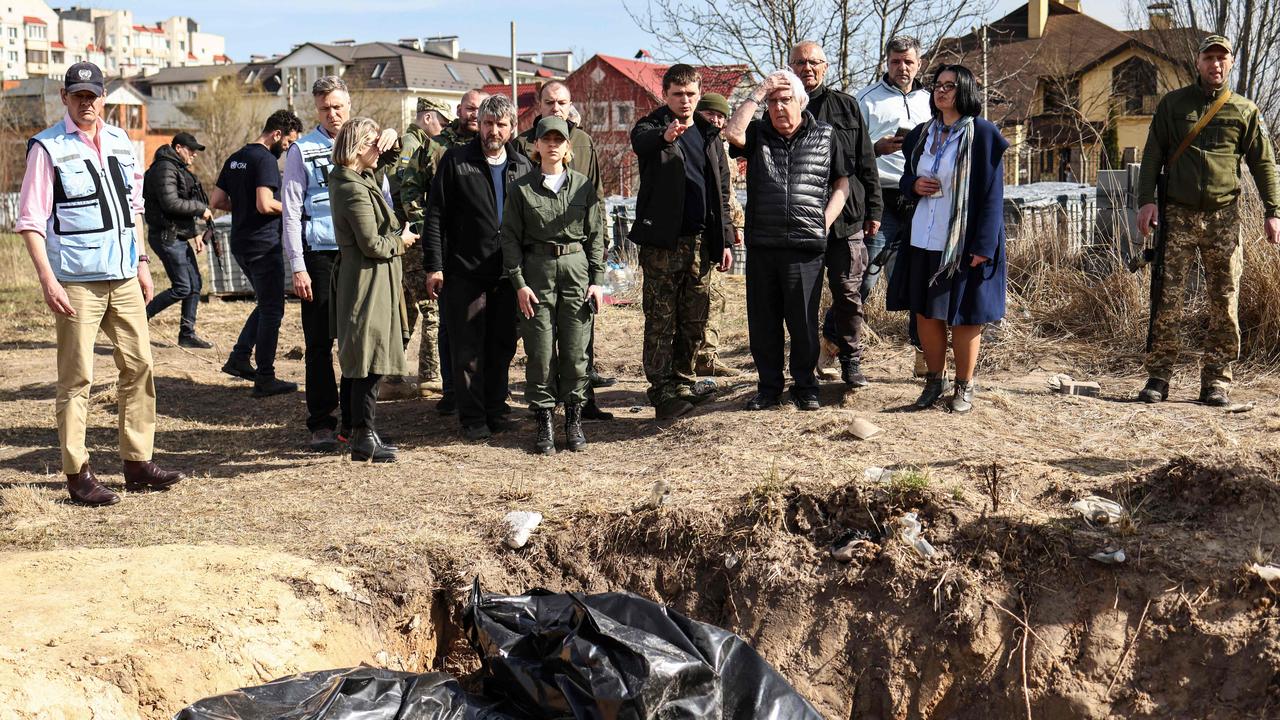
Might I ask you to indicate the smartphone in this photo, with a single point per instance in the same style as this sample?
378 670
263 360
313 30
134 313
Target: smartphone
902 132
591 300
415 228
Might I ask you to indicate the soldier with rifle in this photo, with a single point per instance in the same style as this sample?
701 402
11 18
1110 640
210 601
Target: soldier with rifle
1199 134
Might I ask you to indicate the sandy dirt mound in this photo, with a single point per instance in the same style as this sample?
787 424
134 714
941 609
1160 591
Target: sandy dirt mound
137 633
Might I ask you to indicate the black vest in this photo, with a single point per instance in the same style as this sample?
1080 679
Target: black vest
788 186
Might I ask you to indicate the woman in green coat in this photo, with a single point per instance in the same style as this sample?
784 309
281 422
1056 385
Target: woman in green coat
366 297
553 250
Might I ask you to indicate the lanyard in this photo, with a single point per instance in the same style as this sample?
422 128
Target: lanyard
935 132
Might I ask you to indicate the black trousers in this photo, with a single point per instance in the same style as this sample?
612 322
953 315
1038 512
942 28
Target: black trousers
261 331
481 317
322 388
359 400
784 287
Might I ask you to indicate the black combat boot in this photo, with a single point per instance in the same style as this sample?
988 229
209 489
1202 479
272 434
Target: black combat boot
851 372
574 438
367 447
545 440
1157 390
935 386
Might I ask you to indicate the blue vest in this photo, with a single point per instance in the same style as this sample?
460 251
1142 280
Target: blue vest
90 235
317 214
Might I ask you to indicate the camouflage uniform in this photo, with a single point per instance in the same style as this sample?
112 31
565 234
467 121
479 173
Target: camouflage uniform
708 353
1216 235
415 181
1202 214
677 300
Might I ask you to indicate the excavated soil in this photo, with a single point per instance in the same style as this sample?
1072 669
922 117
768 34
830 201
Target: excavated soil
271 560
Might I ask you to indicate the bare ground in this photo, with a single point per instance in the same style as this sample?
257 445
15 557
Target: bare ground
1179 630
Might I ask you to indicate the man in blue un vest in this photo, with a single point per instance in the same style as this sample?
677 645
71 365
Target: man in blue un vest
311 248
81 203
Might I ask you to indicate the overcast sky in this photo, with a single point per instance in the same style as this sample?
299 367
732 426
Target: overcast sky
590 26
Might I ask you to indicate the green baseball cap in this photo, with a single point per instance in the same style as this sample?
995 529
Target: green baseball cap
548 124
425 104
1215 41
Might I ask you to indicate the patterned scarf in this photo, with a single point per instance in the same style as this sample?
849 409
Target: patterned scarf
952 252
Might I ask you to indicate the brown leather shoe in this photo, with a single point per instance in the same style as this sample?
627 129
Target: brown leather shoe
86 490
140 475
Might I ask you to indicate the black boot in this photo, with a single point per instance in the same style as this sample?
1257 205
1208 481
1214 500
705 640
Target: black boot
545 440
366 446
851 372
1155 391
592 411
935 386
573 427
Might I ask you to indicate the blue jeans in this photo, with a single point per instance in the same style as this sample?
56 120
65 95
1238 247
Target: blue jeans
180 265
261 329
891 223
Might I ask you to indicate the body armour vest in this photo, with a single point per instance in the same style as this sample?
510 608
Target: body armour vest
90 235
317 214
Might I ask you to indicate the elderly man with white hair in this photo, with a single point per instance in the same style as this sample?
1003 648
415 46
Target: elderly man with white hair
797 185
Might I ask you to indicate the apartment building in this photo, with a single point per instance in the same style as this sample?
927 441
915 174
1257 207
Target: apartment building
39 41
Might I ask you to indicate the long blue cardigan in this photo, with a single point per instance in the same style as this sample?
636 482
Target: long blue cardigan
977 294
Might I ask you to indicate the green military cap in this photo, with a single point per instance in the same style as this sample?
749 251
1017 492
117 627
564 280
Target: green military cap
1214 41
425 104
716 102
549 123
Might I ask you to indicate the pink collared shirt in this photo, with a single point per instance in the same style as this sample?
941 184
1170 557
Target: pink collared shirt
35 202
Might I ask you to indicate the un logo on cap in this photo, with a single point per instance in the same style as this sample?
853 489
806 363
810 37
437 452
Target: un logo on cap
84 74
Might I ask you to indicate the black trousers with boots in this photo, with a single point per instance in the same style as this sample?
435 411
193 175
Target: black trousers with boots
481 317
359 397
322 387
784 287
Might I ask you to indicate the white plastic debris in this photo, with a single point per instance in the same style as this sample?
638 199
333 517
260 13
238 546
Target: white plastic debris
1099 510
1068 385
660 494
877 474
731 560
909 533
1269 573
520 525
1109 556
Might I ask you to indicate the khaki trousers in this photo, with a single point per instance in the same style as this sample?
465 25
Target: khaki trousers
115 306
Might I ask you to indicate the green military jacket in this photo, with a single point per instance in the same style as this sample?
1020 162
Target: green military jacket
533 214
415 179
1207 176
584 158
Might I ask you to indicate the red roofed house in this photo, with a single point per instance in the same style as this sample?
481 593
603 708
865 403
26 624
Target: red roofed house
611 93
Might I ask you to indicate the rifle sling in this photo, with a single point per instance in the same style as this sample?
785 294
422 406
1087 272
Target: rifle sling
1199 126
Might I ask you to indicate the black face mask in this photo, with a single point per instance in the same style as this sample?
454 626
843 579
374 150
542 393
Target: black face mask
277 149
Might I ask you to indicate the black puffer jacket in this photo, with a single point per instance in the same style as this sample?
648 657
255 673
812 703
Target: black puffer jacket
788 185
173 197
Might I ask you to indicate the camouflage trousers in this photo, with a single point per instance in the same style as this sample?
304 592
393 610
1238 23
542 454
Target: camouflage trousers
676 300
710 349
1216 236
419 305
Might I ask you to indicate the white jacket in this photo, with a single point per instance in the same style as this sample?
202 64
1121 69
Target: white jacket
885 108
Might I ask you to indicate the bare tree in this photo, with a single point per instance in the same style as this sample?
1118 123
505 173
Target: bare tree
1253 24
760 33
228 116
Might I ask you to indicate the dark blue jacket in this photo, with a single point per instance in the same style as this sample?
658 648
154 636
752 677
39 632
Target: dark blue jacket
977 293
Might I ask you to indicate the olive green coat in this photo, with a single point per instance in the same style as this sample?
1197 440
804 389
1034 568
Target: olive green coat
366 299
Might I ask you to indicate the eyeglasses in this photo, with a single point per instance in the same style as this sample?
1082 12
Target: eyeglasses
808 63
946 87
780 101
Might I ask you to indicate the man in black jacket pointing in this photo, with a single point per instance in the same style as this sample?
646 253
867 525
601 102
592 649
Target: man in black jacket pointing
174 200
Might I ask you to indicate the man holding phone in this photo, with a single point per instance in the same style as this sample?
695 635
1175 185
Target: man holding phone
893 107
